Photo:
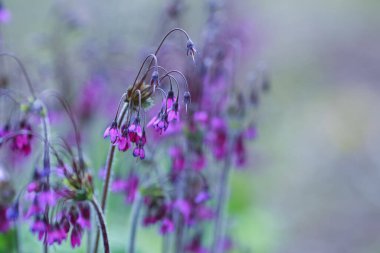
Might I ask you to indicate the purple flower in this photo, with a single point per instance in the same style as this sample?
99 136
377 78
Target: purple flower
129 187
184 207
167 226
84 219
160 122
191 49
195 245
139 149
112 132
4 222
135 131
22 142
240 150
123 141
218 138
76 236
173 114
154 81
178 159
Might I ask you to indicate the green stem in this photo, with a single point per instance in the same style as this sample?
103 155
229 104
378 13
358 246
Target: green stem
102 224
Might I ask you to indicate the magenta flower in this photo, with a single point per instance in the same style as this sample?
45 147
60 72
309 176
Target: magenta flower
112 132
135 131
160 122
22 142
184 207
178 158
139 149
218 138
129 187
173 114
195 246
167 226
123 142
76 236
84 219
240 150
4 222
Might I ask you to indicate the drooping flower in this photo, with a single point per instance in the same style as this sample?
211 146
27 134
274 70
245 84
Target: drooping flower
22 141
112 132
4 222
139 151
128 187
167 226
123 142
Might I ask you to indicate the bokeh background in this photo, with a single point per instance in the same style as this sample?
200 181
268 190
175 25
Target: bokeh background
313 179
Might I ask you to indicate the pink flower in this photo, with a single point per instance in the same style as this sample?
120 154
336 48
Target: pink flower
167 226
112 132
4 223
123 141
76 236
135 131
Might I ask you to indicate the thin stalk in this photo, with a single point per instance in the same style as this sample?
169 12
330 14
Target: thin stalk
134 218
109 162
21 65
102 224
220 213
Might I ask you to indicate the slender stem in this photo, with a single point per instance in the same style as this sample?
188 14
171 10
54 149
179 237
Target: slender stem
134 218
167 35
21 65
109 162
220 213
163 40
102 224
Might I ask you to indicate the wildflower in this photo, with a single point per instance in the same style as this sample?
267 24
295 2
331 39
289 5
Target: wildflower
112 132
195 245
76 236
129 187
135 130
4 222
139 149
154 81
240 150
191 49
218 137
123 140
186 98
167 226
160 122
22 141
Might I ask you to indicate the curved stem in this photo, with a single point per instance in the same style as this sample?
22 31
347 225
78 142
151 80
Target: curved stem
70 114
21 65
167 35
163 40
102 224
142 65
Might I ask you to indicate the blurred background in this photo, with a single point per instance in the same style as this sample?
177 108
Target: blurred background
313 179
